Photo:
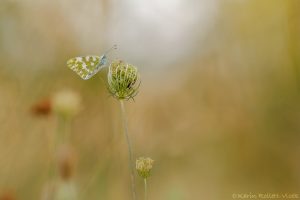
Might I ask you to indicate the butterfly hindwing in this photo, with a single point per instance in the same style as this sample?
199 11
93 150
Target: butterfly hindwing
86 66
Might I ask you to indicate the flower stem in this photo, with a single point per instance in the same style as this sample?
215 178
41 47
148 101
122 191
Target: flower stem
131 166
145 187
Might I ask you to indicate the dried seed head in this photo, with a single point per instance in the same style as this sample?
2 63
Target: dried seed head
42 107
66 162
123 80
66 103
144 166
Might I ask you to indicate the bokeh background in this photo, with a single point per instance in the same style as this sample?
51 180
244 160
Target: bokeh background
218 108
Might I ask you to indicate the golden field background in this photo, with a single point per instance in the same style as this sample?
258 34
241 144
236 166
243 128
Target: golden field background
218 109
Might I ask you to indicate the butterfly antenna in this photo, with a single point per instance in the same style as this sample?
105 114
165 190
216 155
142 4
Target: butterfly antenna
114 47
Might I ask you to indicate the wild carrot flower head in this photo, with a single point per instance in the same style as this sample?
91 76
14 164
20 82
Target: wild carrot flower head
123 80
144 166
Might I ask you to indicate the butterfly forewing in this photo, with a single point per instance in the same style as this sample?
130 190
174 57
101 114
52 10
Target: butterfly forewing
86 66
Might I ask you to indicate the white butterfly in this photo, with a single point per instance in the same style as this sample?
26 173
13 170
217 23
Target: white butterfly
88 66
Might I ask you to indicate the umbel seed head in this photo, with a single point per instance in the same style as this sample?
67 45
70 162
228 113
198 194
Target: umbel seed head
144 166
123 80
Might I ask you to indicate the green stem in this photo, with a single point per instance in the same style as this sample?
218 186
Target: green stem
145 187
64 127
131 166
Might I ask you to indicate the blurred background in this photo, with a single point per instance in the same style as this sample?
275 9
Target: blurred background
218 108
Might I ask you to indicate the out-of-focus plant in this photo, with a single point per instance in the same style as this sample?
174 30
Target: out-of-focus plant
65 104
65 187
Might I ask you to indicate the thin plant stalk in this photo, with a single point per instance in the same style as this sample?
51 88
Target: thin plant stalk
62 136
54 145
145 188
64 130
130 156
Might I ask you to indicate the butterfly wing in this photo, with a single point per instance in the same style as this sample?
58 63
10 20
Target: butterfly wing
87 66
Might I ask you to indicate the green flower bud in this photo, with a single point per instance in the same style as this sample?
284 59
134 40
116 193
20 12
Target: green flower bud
144 166
123 80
